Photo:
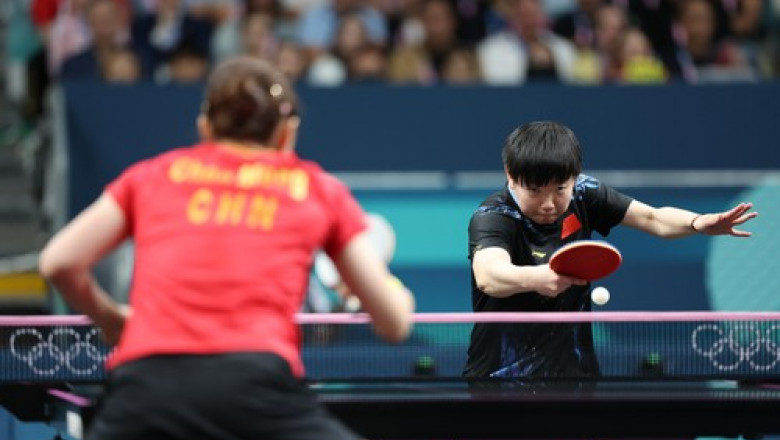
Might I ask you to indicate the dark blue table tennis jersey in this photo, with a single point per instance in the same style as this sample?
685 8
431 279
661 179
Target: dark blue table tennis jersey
537 350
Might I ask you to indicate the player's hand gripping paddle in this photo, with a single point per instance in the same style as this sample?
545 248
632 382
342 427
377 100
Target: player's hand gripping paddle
586 259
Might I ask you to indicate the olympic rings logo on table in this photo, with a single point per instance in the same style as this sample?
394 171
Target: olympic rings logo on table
63 348
741 343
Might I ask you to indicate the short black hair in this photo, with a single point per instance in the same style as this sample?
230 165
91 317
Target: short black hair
542 152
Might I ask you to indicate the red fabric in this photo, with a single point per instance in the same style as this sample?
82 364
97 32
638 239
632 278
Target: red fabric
571 224
224 244
43 12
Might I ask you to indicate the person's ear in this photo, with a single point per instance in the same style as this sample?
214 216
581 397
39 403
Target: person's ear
205 130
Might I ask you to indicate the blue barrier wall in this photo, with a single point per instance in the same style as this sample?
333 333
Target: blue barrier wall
451 130
448 129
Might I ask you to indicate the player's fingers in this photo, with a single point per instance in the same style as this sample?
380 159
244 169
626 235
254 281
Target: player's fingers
735 217
740 220
743 219
738 210
575 281
742 213
342 289
733 214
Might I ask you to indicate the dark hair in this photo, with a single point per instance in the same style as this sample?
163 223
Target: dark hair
245 99
542 152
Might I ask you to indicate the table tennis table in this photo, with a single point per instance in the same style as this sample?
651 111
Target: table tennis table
736 399
562 410
457 409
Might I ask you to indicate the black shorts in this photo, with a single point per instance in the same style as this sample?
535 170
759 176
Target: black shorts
241 396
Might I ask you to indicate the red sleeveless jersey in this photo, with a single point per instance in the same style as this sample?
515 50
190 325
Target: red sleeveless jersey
224 242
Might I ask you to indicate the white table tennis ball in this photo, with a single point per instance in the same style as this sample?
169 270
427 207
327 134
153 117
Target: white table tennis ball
599 296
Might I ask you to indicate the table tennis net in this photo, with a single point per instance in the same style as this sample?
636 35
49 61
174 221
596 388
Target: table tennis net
630 345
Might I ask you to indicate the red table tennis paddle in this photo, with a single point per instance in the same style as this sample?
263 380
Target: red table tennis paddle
586 259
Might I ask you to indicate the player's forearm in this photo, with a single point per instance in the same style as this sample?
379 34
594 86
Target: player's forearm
392 313
82 293
388 302
504 279
673 222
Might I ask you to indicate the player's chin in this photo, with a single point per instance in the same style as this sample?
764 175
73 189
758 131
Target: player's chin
545 219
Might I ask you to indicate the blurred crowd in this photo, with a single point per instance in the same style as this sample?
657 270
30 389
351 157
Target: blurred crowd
422 42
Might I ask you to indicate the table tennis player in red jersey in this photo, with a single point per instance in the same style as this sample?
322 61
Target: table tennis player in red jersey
224 234
548 203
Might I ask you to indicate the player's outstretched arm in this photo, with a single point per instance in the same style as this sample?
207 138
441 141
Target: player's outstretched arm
670 222
389 303
67 261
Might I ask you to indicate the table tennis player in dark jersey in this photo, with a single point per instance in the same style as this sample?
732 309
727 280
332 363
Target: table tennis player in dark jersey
224 234
546 204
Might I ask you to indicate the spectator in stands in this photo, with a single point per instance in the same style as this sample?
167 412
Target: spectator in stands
527 51
291 60
258 38
284 20
496 16
293 10
366 65
122 66
333 66
230 38
224 17
598 61
352 35
701 53
748 23
461 68
320 25
740 21
472 20
655 19
747 18
579 25
109 33
63 31
638 62
189 63
610 27
67 33
214 11
404 25
157 34
424 63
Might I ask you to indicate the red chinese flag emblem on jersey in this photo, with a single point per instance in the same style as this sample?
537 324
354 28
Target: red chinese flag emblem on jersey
571 224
